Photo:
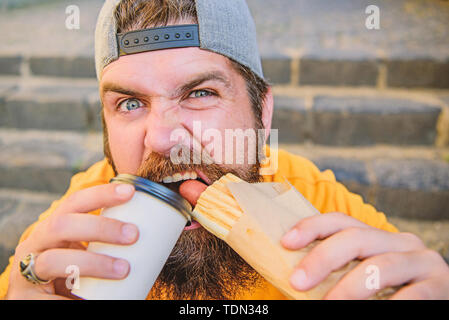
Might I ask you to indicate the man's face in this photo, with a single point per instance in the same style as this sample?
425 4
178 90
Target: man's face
146 98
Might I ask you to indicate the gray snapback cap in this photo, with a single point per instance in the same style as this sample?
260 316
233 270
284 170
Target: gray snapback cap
224 26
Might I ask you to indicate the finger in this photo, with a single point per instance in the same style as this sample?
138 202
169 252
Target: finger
386 270
93 198
431 289
345 246
54 263
318 227
72 227
191 190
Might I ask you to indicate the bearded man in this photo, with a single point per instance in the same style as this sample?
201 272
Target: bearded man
161 66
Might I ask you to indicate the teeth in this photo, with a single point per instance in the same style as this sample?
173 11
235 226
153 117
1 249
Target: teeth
178 177
186 176
167 179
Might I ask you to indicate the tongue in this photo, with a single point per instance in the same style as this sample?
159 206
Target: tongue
191 190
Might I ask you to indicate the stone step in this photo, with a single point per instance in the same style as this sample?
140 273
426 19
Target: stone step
357 119
319 115
279 69
20 208
311 43
15 4
408 182
45 160
50 105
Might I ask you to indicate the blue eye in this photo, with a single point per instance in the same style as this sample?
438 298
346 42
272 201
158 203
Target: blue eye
129 105
200 94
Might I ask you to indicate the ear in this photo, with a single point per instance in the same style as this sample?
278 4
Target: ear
267 112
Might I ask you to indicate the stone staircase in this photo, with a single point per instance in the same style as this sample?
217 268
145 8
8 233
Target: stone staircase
379 121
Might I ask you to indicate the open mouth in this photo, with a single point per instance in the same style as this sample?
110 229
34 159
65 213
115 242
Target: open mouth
174 181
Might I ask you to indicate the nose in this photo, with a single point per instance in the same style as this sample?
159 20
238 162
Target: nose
164 125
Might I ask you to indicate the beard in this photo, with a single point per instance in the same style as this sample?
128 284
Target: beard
200 266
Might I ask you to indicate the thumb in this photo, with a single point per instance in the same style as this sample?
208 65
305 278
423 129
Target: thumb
191 190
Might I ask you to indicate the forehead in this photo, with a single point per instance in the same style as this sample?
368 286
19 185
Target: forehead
170 65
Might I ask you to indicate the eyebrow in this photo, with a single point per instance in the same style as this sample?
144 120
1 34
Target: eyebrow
196 81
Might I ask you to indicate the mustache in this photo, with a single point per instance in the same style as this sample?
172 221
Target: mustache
157 166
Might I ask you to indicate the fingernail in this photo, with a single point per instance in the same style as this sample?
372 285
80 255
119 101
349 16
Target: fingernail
291 238
124 189
129 232
120 267
298 279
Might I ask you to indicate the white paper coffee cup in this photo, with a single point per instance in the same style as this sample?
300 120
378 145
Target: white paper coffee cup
161 215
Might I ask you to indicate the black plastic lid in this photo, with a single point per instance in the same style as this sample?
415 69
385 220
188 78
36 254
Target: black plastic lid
157 190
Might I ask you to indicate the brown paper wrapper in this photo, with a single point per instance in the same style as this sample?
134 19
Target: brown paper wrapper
269 211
